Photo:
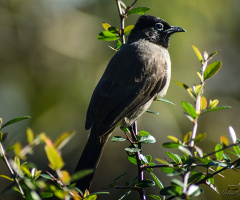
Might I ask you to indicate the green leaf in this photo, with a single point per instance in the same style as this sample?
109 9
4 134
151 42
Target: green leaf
219 154
46 176
118 139
63 139
144 133
167 170
177 182
132 149
155 196
139 10
46 195
187 137
203 103
147 139
124 195
216 108
145 183
107 36
226 158
198 53
6 177
81 174
30 136
113 30
128 29
91 197
212 69
237 149
213 103
157 181
15 120
213 54
165 101
132 159
189 109
118 45
54 157
217 164
173 138
195 177
200 137
10 148
171 145
175 157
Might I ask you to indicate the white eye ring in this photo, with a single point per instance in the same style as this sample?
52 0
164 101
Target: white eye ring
159 26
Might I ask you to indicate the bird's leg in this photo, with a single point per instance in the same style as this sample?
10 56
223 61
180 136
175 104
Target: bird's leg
133 130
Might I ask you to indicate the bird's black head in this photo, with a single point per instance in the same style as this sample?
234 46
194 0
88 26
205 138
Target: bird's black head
154 30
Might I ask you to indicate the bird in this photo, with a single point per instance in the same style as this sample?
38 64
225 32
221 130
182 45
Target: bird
137 74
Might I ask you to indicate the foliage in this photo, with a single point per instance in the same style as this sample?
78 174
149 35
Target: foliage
32 183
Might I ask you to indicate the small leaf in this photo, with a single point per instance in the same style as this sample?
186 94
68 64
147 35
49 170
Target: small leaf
113 30
195 177
198 54
198 89
155 196
226 158
6 177
219 154
128 29
216 164
177 182
161 161
54 157
144 133
167 170
147 139
165 101
224 141
174 139
200 76
118 139
214 103
194 190
212 69
81 174
203 103
145 183
132 149
63 139
189 109
17 150
200 137
106 26
140 10
15 120
171 145
115 181
187 137
45 195
107 36
175 157
216 108
157 181
213 54
30 136
132 159
237 150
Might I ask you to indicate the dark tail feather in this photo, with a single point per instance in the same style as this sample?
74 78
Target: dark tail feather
90 158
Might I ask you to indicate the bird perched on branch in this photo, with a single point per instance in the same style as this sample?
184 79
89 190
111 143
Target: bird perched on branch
139 72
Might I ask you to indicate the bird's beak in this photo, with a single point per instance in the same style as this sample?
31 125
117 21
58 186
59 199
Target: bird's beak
174 29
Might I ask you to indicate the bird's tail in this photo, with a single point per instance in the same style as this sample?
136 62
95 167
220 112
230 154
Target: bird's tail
90 158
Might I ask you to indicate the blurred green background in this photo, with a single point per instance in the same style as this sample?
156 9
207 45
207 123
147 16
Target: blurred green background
51 60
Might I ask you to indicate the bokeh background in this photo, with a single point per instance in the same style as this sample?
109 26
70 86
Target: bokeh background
51 60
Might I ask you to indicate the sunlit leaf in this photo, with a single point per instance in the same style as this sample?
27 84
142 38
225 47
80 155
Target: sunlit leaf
189 109
157 181
147 139
15 120
30 136
174 139
175 157
63 139
198 53
187 137
106 26
167 170
213 54
155 196
132 149
118 139
54 157
132 159
200 137
198 89
216 108
140 10
6 177
224 140
17 150
212 69
195 177
217 164
45 195
161 161
113 30
194 190
237 150
171 145
144 133
152 112
107 36
128 29
219 154
81 174
165 101
213 103
203 103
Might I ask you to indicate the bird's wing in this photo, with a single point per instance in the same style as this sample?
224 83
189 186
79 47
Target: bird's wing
115 98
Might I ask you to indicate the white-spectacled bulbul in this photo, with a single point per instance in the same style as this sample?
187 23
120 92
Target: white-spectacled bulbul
139 72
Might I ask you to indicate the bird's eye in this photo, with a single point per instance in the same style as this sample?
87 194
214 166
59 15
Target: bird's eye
159 26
